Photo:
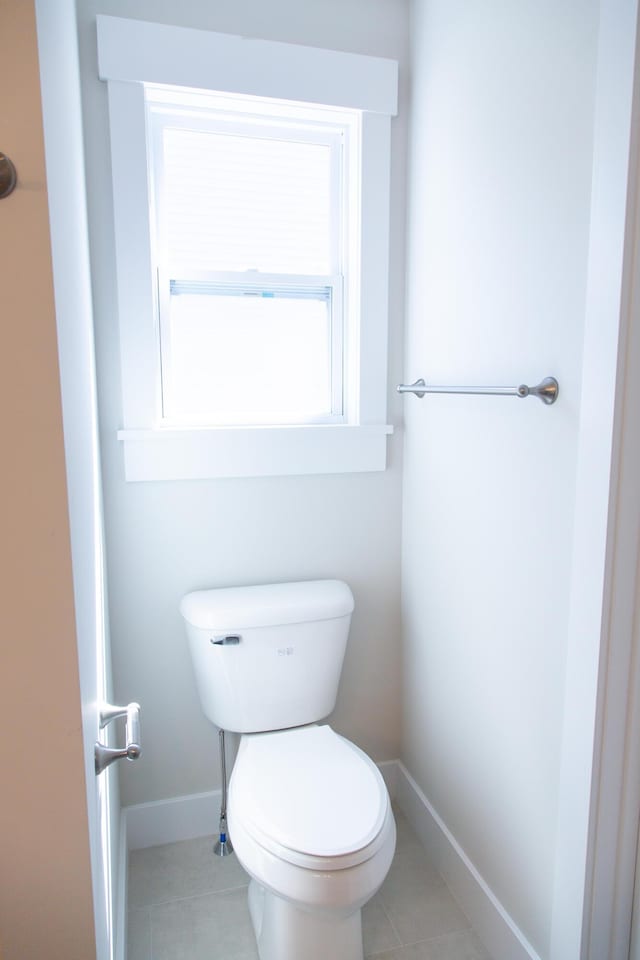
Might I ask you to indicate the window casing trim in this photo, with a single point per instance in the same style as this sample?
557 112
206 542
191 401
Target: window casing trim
253 451
363 83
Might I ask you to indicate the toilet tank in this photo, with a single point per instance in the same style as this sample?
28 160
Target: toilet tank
268 657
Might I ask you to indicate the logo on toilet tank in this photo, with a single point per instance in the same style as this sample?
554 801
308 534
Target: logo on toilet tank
285 651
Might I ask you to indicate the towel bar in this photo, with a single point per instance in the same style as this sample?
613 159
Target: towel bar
546 390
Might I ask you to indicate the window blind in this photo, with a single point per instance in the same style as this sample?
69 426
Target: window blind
245 202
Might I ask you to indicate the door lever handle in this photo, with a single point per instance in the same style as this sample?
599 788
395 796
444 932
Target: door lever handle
131 751
8 176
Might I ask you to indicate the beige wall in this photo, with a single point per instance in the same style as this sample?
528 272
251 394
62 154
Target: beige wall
45 881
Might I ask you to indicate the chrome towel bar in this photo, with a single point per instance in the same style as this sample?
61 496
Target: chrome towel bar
546 390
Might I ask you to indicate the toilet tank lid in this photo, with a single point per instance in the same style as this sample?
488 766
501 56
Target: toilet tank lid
275 604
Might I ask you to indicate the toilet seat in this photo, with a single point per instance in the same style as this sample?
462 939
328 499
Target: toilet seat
310 797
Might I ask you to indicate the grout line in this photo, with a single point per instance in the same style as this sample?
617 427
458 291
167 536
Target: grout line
452 933
425 940
440 936
193 896
393 926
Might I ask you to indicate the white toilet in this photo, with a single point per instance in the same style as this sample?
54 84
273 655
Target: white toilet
309 814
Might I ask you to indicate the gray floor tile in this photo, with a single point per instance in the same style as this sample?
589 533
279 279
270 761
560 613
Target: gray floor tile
178 870
421 910
139 935
410 856
463 945
377 932
187 904
404 834
211 927
410 868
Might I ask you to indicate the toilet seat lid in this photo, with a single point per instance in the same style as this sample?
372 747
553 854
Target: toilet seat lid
309 795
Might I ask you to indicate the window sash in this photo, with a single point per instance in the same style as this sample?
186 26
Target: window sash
273 286
336 137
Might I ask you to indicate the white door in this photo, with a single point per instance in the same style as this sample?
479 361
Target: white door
62 121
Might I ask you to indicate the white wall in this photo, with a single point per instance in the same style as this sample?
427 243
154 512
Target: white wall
500 175
164 539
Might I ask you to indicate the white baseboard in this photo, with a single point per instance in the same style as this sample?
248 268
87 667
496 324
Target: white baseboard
168 821
501 936
122 893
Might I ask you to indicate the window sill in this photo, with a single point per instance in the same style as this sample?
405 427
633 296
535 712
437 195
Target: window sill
211 453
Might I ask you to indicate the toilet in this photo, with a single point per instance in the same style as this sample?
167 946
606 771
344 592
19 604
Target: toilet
309 814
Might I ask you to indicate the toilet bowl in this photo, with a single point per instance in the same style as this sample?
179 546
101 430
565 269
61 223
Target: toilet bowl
312 825
309 815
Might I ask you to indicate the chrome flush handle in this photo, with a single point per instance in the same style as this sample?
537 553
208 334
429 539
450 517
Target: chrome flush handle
132 749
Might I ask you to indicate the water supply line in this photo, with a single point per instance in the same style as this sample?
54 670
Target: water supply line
222 847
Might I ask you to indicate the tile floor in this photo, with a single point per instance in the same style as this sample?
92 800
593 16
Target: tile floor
186 904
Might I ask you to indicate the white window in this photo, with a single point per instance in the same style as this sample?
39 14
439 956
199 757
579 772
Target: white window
252 249
251 224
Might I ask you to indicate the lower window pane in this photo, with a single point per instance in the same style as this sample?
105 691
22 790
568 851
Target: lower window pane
247 359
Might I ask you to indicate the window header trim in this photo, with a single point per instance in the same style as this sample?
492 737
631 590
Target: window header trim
140 52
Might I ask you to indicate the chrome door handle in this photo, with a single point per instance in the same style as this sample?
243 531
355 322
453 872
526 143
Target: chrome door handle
132 749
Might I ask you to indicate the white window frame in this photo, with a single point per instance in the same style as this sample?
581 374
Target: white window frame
331 132
132 54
